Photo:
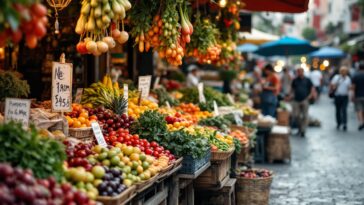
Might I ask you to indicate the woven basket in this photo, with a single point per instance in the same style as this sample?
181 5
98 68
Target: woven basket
83 134
253 191
141 186
244 156
221 155
119 199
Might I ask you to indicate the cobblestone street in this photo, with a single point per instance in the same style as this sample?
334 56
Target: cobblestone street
327 166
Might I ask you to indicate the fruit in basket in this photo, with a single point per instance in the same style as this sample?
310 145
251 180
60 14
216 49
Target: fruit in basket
77 154
112 184
241 136
79 117
255 173
111 122
135 110
82 180
177 122
18 186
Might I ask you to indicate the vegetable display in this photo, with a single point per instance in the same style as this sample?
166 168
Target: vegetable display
12 86
190 95
28 150
151 125
19 18
164 97
218 121
95 19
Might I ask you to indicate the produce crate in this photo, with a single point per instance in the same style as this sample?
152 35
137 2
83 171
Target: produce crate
153 195
283 117
83 134
141 186
223 196
216 175
250 118
119 199
253 190
191 165
221 155
278 144
244 156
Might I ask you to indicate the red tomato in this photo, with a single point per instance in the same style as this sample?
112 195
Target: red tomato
158 149
148 151
127 138
120 139
156 154
135 137
113 138
128 143
112 133
167 152
153 144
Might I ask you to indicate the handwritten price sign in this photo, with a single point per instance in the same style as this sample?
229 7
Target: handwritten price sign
61 87
17 110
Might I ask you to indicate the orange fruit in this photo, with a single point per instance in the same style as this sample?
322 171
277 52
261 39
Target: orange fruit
84 114
93 117
77 124
134 157
82 120
70 121
83 125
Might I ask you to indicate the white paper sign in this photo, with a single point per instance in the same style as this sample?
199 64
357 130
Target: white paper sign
17 110
144 85
126 97
237 118
61 87
98 134
78 96
201 96
216 109
156 82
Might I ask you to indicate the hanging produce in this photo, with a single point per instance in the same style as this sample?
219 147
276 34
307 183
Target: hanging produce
204 46
96 19
28 18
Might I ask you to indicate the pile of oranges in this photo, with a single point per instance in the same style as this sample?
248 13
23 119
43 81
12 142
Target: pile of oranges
135 110
192 112
79 117
241 136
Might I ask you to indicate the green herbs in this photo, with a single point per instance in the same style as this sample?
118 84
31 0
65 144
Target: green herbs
28 150
190 95
181 144
163 97
150 125
219 122
12 86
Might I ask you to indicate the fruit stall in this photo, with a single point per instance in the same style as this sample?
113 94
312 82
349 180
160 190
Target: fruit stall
117 141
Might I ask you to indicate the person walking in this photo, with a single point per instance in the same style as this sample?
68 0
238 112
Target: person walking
317 80
358 95
302 91
270 90
286 80
340 85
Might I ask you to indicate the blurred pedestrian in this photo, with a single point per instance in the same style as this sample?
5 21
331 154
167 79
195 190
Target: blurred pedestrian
317 80
340 86
192 77
302 91
270 90
286 81
358 94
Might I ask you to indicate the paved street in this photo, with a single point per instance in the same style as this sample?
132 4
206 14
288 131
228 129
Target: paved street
327 166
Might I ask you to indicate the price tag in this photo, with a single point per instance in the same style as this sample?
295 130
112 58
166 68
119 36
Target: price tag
230 98
126 96
237 118
17 110
144 85
156 82
216 109
78 96
61 87
98 134
201 96
168 105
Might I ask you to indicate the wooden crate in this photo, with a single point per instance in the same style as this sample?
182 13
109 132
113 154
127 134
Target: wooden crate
283 117
223 196
216 175
278 144
154 195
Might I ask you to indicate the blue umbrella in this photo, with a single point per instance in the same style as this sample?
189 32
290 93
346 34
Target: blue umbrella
285 46
247 48
328 52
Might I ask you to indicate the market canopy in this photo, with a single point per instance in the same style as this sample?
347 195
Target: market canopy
287 6
286 46
247 48
328 52
256 37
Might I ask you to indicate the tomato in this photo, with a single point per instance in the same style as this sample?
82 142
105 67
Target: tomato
112 133
142 148
127 138
167 152
113 138
120 139
153 144
128 143
107 139
158 149
156 154
136 137
148 151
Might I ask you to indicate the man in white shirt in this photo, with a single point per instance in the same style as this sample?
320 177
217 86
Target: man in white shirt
192 77
316 79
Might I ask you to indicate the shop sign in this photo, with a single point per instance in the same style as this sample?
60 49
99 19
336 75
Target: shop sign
78 96
126 97
17 110
61 87
98 134
201 96
144 85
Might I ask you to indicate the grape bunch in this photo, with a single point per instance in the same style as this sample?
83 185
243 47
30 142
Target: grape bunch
18 186
112 184
77 153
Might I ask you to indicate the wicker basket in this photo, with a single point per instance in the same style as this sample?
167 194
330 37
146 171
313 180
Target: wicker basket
278 147
119 199
244 156
83 134
221 155
253 191
141 186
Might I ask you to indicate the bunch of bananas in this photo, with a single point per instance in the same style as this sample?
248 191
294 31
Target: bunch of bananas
101 93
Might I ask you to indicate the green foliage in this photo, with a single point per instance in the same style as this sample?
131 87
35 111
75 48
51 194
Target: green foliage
190 95
150 125
163 97
237 145
182 143
12 86
218 121
309 34
27 149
